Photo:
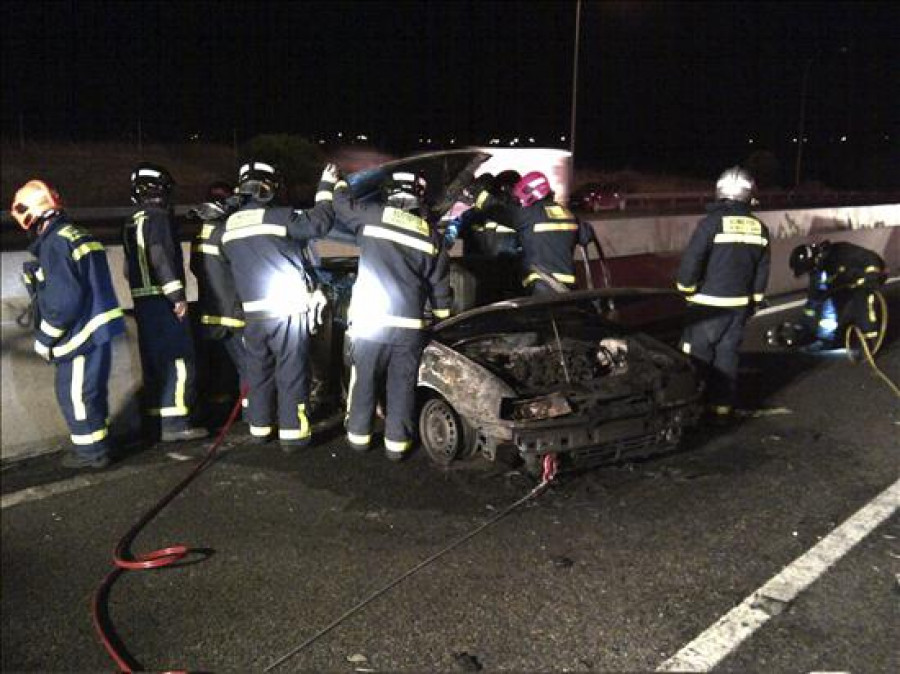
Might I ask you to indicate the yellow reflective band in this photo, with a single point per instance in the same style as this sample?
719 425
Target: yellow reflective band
180 382
557 212
441 313
206 231
403 220
751 239
282 305
564 278
168 411
722 409
758 297
172 286
686 289
400 322
139 220
260 431
872 316
502 229
397 445
252 216
76 394
304 421
50 330
686 348
809 312
871 335
555 227
358 439
86 248
205 248
403 239
90 438
245 402
87 331
71 233
340 184
254 230
222 320
146 292
324 195
713 301
531 278
39 274
482 197
350 390
872 269
735 224
41 349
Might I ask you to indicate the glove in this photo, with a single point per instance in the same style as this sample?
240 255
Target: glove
315 309
42 350
331 173
180 310
451 232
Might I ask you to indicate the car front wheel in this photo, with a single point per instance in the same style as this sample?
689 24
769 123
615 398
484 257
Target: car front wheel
445 436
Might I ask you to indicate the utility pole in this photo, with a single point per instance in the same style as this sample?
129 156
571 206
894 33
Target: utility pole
804 87
574 93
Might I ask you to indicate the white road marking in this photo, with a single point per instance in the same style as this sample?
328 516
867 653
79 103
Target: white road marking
732 629
64 486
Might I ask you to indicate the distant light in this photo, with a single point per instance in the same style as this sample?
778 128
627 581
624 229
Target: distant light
421 141
340 134
321 141
494 141
750 140
805 139
887 137
362 136
562 138
453 141
429 141
843 139
530 139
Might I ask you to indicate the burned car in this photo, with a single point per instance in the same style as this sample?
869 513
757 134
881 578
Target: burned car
576 375
554 376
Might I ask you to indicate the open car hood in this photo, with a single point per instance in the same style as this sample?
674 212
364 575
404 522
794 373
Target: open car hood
624 308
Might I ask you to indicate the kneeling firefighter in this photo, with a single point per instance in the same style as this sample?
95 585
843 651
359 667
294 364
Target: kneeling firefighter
401 266
76 317
264 245
843 279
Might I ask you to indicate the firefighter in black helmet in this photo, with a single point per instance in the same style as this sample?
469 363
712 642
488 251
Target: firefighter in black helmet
220 318
155 269
723 274
401 267
265 246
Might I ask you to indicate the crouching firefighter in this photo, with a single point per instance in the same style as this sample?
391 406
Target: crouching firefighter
155 270
723 273
221 317
76 317
843 281
264 245
401 266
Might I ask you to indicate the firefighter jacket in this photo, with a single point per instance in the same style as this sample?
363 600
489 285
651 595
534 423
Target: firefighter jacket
153 258
401 266
217 299
488 229
726 262
74 292
264 245
846 265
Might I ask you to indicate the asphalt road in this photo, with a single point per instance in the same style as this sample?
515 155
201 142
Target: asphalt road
615 569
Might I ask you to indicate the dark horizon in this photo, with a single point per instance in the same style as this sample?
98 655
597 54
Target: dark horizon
683 86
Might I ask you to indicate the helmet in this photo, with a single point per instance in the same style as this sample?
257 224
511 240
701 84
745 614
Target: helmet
150 184
735 184
405 190
531 188
506 181
259 180
33 201
804 258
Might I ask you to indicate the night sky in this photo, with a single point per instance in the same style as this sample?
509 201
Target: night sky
660 84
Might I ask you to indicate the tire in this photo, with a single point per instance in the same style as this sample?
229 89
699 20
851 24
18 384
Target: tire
444 435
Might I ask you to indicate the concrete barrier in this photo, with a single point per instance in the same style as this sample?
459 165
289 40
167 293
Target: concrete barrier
32 423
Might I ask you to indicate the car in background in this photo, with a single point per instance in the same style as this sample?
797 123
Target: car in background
596 197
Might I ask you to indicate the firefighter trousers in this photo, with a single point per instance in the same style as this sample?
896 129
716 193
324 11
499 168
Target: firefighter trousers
167 360
713 336
82 392
277 370
397 367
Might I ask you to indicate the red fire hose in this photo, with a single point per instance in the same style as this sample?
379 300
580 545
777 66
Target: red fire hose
124 560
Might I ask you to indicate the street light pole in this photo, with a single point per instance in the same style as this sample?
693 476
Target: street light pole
574 93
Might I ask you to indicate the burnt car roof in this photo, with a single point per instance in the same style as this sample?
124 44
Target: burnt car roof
634 309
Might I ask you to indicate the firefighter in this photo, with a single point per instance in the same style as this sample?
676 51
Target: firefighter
221 318
401 266
843 278
155 271
723 274
488 231
265 247
76 317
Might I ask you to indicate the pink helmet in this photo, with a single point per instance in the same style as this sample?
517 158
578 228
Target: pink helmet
532 187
